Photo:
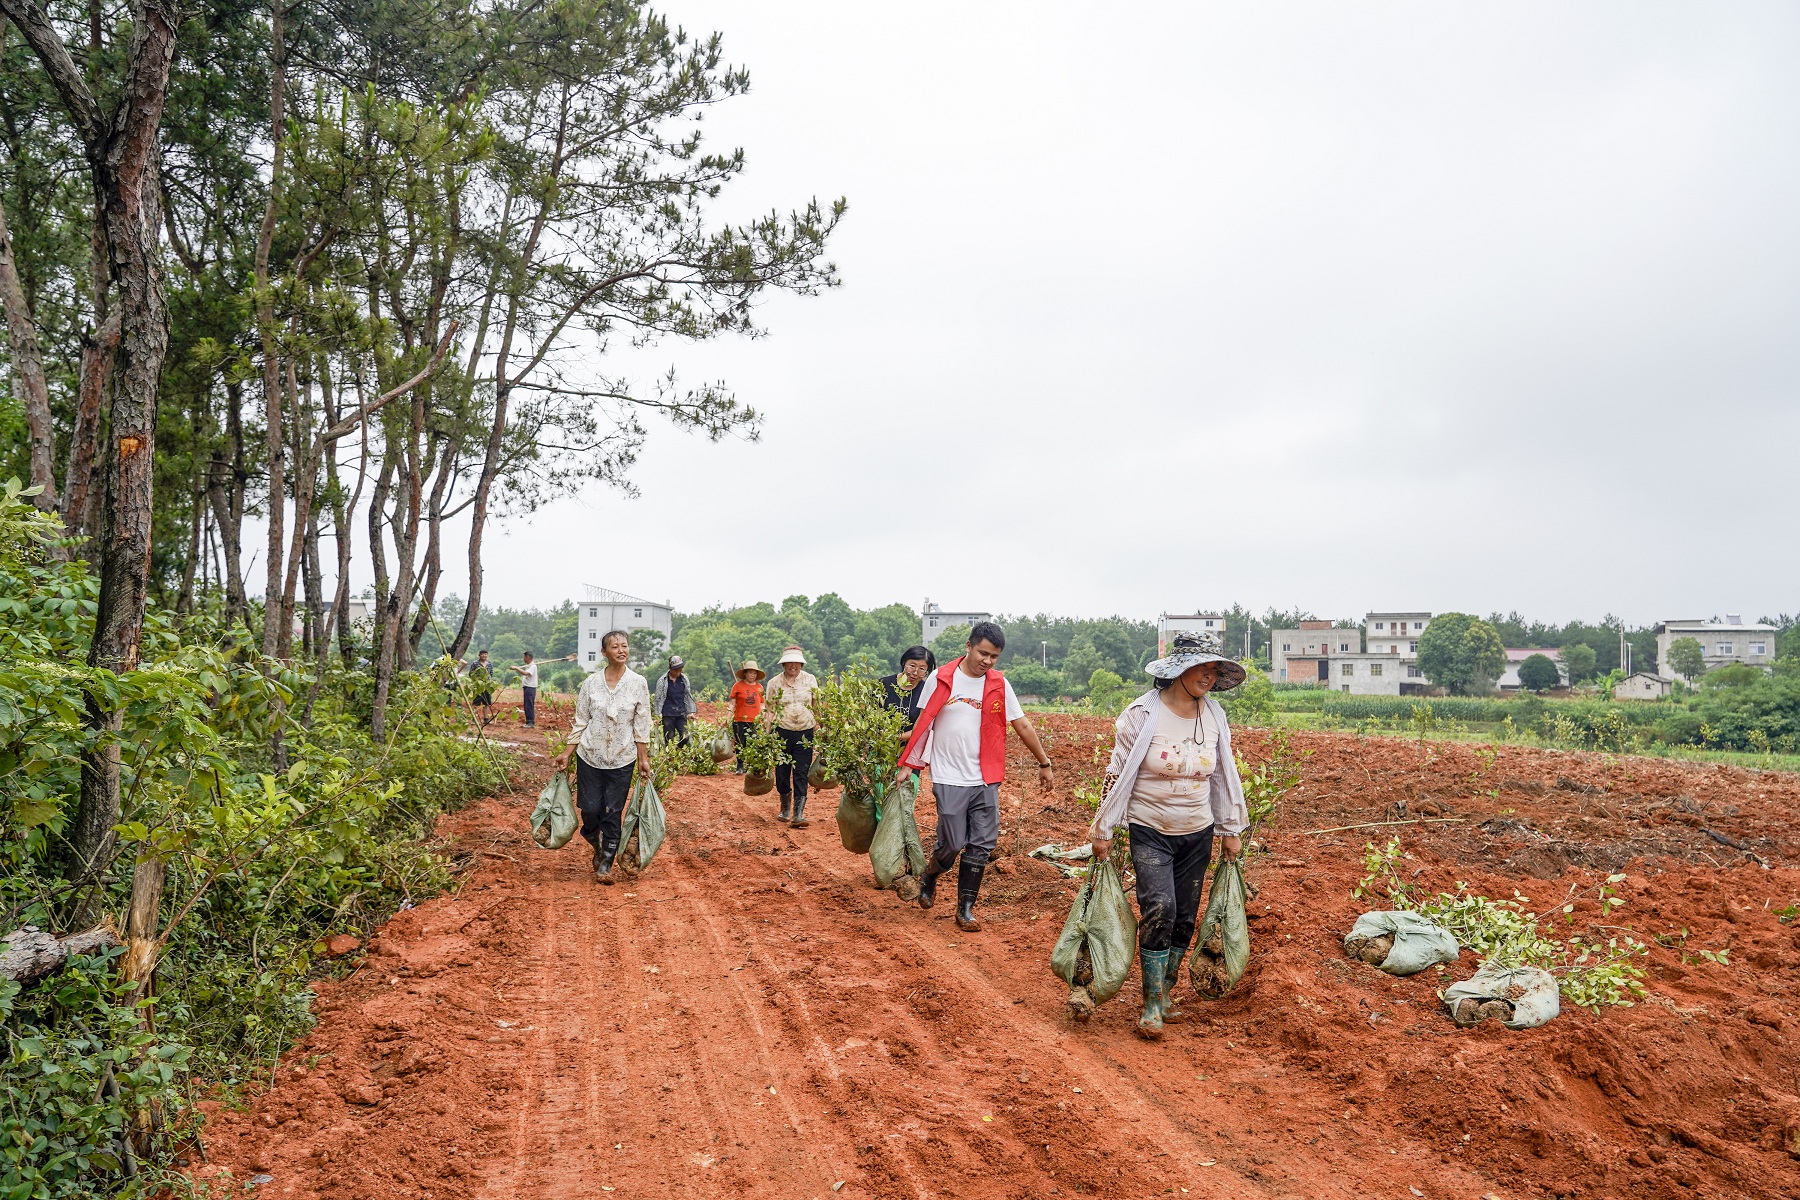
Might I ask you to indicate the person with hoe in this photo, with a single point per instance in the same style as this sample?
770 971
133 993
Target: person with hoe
964 709
528 685
792 693
609 739
1172 781
675 701
902 687
746 705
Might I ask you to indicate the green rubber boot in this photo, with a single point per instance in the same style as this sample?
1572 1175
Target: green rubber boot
1154 965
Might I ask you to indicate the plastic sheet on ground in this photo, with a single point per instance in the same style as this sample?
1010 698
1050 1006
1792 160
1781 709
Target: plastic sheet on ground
1223 949
1098 941
895 851
1400 943
553 821
644 816
1518 997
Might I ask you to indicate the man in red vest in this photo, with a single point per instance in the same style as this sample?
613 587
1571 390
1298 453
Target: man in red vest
964 709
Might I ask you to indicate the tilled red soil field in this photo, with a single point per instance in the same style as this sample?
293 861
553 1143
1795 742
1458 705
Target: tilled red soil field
750 1016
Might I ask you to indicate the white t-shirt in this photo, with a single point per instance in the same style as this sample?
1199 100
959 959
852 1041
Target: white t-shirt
528 675
954 746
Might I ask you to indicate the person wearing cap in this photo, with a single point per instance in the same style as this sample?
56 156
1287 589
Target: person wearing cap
791 692
964 710
902 687
746 705
675 701
1172 781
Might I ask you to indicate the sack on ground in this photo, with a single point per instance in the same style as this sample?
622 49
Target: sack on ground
758 785
819 779
1098 941
723 749
644 816
553 821
1223 951
1518 997
856 822
896 852
1400 943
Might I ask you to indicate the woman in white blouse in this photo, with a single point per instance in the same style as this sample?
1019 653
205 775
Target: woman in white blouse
1172 782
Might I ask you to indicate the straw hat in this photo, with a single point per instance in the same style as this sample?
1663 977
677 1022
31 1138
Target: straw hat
1192 649
749 666
793 654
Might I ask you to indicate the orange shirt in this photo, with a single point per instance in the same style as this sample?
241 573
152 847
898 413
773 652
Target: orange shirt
746 701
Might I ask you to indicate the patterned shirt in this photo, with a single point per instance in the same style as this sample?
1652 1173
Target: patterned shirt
610 721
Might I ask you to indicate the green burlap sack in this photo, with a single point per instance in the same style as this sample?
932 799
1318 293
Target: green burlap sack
1223 951
553 821
1517 997
758 785
644 816
1400 943
856 822
896 852
1098 941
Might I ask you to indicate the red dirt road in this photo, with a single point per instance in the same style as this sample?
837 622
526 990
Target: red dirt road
750 1015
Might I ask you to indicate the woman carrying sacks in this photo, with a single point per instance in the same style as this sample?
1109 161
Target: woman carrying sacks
791 692
902 687
1172 781
746 706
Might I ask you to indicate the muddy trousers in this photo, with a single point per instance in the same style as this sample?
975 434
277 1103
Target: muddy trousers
601 794
790 776
968 823
1171 871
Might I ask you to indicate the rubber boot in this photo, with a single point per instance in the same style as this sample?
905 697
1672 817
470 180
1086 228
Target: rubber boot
928 884
787 806
968 886
603 862
1154 964
1172 1013
799 821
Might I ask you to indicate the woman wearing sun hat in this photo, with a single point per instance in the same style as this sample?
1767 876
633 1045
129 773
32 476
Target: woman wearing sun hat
1173 782
746 706
792 694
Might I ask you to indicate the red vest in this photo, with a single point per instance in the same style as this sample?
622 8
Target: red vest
993 721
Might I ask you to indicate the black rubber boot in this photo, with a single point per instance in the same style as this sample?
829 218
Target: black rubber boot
799 821
968 886
603 862
928 885
787 807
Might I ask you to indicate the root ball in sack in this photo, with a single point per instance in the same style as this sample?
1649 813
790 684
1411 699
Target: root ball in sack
645 818
856 821
895 851
819 779
758 785
1517 997
1400 943
1218 962
553 821
1098 942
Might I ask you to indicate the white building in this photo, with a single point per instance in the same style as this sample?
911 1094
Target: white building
1722 642
605 610
1383 674
1170 624
1641 685
934 620
1394 632
1303 655
1509 678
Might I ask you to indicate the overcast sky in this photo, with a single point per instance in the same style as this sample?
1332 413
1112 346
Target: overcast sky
1339 306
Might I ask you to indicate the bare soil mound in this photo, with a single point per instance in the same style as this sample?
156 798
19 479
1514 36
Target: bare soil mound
750 1015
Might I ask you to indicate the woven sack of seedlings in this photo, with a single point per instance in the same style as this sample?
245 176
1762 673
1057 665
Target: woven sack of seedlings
1218 961
553 821
721 747
896 852
819 779
856 821
1098 941
1517 997
1400 943
644 816
758 785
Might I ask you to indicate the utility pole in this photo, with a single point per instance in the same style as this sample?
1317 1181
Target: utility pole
1044 654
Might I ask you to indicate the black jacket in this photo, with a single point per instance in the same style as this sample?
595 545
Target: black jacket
904 702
